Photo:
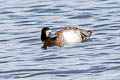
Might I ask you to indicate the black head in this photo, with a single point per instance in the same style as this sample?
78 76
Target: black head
45 33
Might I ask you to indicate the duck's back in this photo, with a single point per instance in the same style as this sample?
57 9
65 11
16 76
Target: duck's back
72 35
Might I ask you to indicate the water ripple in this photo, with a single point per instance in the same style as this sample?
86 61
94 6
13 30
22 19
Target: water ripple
80 17
22 57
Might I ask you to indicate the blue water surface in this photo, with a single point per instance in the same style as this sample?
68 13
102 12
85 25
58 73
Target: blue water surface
21 56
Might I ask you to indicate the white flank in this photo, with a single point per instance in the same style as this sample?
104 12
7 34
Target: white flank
72 36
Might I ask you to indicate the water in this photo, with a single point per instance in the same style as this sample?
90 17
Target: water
21 56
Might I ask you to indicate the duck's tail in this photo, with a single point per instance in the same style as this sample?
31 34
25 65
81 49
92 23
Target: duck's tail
89 32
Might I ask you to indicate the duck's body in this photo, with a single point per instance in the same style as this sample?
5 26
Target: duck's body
67 35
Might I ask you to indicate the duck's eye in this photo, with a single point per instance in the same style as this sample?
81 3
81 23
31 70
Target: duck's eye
48 33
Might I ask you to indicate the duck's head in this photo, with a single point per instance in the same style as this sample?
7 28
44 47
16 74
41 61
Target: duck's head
45 33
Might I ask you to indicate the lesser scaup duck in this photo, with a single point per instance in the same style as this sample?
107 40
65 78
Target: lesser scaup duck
67 35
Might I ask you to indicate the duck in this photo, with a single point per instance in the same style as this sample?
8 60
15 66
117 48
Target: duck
64 36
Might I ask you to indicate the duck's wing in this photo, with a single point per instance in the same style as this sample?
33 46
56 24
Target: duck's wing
85 34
